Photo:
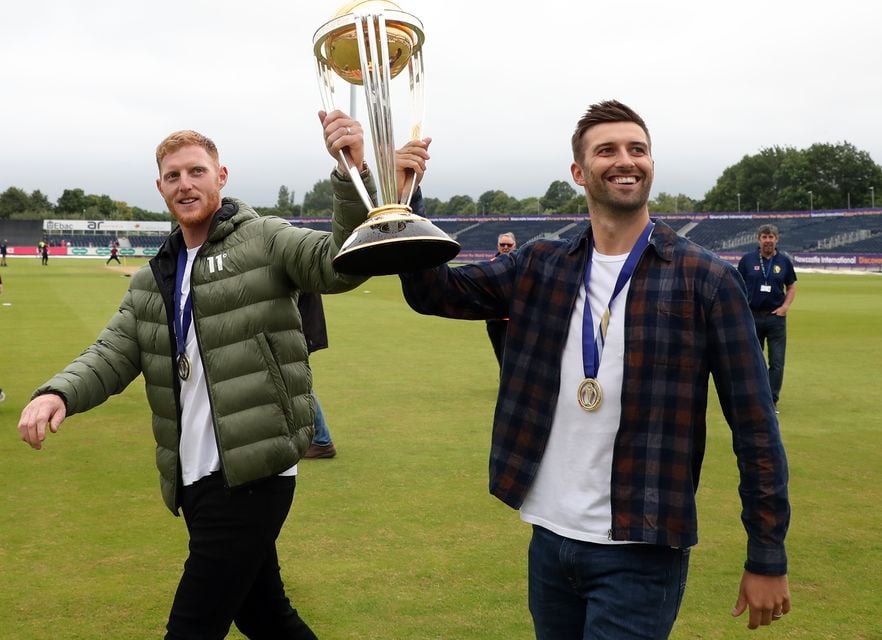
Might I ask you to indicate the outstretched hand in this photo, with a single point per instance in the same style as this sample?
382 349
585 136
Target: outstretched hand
343 134
46 410
768 598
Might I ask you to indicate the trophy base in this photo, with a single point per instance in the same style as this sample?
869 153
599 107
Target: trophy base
394 240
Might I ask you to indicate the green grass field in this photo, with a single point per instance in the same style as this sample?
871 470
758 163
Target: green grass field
397 537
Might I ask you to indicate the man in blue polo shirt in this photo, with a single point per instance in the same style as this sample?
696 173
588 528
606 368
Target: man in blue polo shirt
771 288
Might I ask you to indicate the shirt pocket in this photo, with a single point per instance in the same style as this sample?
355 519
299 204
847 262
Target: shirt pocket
676 340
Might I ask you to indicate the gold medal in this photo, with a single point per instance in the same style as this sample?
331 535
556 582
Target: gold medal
590 394
183 366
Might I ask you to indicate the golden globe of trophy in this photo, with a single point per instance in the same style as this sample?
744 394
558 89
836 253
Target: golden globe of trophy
369 43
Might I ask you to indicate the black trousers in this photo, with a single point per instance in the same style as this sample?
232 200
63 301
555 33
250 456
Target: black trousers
496 331
232 572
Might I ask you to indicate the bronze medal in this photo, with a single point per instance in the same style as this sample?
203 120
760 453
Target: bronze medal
590 394
183 366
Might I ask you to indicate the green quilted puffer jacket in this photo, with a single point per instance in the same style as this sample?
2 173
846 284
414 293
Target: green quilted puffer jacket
244 287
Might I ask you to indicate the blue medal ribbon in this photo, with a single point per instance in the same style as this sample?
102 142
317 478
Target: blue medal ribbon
592 347
183 318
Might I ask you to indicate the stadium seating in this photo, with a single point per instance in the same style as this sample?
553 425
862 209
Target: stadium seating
855 231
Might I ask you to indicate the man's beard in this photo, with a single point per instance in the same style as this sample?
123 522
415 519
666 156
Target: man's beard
622 206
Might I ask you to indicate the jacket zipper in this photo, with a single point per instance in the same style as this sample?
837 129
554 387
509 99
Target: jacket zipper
220 453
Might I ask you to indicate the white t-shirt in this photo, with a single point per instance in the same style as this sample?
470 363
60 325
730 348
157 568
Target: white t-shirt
199 452
570 494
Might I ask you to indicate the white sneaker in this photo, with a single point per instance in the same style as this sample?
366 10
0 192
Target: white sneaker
2 396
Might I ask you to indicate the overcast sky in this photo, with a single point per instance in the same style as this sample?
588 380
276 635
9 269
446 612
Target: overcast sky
89 87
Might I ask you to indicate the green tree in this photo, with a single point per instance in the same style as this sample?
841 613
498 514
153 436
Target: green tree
841 175
504 204
668 203
461 206
121 211
575 206
14 201
558 194
99 207
143 214
285 201
781 179
39 202
319 201
530 206
71 203
435 207
485 202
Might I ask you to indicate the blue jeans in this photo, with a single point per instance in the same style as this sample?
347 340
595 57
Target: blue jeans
774 330
322 435
581 590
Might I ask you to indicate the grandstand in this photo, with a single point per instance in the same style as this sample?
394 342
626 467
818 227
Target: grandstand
71 237
839 233
835 239
841 238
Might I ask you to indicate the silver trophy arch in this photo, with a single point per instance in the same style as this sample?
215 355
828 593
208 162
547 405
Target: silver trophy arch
370 45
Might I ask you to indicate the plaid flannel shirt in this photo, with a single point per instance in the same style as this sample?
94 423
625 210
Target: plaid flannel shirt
686 317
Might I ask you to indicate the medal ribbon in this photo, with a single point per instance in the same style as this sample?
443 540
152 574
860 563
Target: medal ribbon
184 318
592 348
766 272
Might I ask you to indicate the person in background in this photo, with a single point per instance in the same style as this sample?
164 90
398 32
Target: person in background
600 424
114 254
3 249
771 289
315 330
496 327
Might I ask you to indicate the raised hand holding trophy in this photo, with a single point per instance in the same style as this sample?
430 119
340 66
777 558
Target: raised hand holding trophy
370 42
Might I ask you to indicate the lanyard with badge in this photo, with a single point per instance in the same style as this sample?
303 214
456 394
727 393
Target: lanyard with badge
590 392
183 317
766 287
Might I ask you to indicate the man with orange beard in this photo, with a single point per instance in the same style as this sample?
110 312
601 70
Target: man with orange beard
212 324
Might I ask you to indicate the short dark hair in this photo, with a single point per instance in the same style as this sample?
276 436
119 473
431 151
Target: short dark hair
601 113
767 228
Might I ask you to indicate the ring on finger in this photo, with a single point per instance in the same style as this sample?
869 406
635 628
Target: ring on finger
348 131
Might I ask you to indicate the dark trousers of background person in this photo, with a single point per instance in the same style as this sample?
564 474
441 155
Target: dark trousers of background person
604 592
496 331
113 258
232 572
773 329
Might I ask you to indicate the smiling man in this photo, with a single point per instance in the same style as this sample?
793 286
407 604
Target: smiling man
212 324
599 430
